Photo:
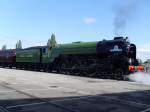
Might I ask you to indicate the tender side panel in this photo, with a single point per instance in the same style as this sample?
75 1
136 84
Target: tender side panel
28 55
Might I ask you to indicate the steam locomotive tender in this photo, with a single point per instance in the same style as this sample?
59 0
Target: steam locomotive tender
108 58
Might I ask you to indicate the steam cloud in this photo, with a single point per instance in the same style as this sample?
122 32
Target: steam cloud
123 13
139 77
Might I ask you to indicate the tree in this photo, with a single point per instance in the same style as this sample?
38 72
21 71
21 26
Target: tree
52 41
4 47
19 45
49 43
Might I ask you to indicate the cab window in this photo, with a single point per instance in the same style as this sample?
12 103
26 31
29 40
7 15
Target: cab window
45 50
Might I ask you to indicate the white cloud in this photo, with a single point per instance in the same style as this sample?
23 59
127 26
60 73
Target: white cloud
10 42
143 51
144 48
143 55
89 20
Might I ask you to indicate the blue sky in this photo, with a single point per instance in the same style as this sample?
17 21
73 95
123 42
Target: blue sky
33 21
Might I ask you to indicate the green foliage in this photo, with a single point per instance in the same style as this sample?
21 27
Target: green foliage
52 41
4 47
19 45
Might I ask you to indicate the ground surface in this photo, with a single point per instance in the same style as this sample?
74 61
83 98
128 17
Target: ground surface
27 91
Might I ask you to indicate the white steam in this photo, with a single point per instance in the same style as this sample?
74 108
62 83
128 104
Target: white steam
139 77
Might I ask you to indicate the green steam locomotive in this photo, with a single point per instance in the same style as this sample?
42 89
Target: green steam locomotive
108 58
